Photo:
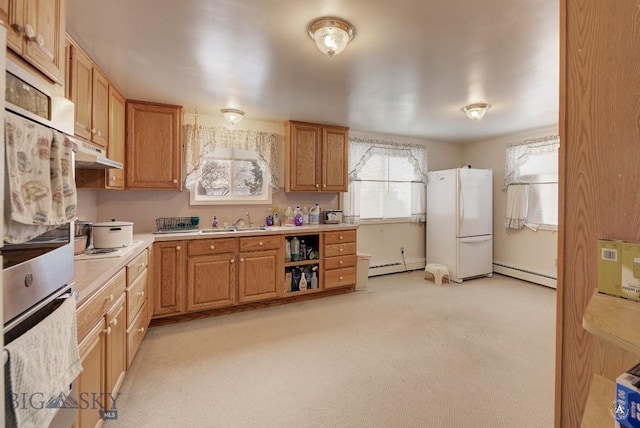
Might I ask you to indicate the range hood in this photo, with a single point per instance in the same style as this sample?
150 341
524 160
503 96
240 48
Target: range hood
89 156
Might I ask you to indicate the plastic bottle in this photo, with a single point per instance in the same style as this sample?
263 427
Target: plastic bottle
295 249
214 223
288 217
276 219
287 250
305 215
269 219
314 214
303 282
297 217
303 250
314 280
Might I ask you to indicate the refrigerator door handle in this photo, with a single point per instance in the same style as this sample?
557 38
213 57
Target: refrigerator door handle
481 238
460 203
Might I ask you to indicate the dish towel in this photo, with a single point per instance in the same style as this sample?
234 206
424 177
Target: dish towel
42 364
517 204
41 192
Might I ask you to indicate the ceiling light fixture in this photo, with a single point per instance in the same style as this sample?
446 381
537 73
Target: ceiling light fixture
331 34
476 111
232 115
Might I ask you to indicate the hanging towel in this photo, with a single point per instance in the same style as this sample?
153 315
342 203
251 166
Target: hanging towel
42 364
40 194
517 203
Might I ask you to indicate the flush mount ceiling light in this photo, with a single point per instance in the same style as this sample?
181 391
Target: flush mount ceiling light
232 115
476 111
331 34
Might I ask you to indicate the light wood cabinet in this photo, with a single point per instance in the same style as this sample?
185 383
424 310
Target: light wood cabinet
153 146
316 157
168 289
115 177
35 31
4 11
211 282
259 275
339 255
116 362
93 353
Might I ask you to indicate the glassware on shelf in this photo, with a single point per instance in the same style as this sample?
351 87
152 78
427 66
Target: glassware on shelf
287 250
295 249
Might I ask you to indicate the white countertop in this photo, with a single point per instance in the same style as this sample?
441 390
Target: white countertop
271 230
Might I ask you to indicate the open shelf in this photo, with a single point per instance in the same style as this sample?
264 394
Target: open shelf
615 320
601 394
302 263
300 292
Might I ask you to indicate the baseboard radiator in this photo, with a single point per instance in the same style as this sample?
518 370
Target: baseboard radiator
526 275
395 266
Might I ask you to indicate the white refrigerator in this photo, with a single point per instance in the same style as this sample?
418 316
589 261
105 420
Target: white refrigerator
460 221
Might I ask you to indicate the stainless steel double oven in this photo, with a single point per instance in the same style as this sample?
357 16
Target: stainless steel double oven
38 274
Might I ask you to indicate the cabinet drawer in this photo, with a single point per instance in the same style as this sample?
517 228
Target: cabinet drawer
339 249
136 266
203 247
136 296
339 262
340 237
98 305
135 333
340 277
261 243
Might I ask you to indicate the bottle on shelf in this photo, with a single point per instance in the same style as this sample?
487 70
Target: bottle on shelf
214 223
287 250
287 281
303 250
276 219
303 282
297 217
288 217
314 278
305 215
295 279
295 249
314 214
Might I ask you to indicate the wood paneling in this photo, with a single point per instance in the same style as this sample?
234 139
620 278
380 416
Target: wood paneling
599 172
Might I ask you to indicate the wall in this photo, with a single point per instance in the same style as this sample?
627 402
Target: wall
521 249
384 240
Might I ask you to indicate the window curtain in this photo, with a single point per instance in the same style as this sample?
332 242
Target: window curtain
516 184
202 140
360 150
518 153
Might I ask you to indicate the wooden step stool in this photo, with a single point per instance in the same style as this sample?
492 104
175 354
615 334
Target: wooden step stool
438 271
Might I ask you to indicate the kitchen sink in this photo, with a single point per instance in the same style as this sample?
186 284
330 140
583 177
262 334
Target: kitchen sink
208 231
250 228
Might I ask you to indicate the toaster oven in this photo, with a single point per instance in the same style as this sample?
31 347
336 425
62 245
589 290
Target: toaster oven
332 216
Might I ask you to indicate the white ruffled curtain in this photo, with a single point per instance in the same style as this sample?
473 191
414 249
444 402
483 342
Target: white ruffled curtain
201 140
361 149
517 186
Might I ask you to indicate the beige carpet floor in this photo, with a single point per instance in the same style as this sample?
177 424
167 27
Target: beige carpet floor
402 353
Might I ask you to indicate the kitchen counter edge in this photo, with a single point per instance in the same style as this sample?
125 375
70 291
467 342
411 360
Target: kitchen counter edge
273 230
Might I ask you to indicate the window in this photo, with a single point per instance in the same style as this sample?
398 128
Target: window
386 181
534 164
231 175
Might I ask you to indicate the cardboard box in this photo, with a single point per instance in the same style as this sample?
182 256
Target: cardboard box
626 406
610 266
630 285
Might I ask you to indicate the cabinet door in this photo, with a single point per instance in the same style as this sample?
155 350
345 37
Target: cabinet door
303 157
116 347
15 27
259 275
100 109
153 146
80 91
44 42
211 282
4 11
335 156
91 382
115 177
168 276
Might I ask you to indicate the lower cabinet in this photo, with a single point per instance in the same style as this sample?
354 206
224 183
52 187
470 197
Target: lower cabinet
211 282
116 366
260 268
168 277
91 381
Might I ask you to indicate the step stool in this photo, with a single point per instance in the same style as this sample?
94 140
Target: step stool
438 271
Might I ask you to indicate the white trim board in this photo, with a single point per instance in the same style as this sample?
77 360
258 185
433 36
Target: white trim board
525 275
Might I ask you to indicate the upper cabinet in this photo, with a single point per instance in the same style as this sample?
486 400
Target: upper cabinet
35 31
115 177
89 91
316 157
153 146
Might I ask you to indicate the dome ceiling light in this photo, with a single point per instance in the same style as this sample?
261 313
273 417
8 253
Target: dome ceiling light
331 34
232 115
476 111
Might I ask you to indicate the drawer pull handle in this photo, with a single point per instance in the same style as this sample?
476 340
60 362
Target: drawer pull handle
341 249
241 260
341 262
260 243
109 298
175 181
141 329
212 247
141 294
341 237
107 330
178 248
317 185
340 278
114 322
232 261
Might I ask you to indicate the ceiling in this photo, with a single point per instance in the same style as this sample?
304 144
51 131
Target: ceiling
409 70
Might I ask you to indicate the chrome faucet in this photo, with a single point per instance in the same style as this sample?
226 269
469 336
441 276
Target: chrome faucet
240 222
